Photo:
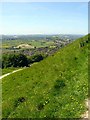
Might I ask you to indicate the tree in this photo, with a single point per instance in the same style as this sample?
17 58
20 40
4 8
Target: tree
36 58
14 60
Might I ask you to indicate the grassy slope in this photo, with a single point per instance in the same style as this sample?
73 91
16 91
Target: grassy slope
32 92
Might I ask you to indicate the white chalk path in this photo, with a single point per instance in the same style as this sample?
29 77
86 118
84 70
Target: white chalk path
10 73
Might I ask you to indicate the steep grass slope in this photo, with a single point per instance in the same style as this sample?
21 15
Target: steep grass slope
55 87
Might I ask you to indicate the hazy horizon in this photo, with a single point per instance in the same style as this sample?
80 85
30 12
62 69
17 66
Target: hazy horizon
44 34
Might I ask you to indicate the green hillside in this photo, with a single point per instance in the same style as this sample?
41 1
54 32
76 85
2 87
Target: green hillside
55 87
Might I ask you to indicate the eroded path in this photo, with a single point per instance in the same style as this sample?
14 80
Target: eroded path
86 114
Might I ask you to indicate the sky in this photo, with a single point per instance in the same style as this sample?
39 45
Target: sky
44 18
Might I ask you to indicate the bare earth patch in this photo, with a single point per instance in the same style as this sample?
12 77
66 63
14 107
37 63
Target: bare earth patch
86 114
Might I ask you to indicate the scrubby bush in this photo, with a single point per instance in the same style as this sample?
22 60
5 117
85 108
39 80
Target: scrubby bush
81 44
14 60
35 58
76 58
19 101
40 106
59 84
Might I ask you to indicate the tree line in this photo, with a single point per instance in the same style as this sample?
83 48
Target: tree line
19 60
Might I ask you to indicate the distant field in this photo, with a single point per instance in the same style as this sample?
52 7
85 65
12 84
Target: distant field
35 43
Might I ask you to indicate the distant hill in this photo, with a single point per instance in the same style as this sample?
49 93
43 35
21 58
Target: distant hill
40 37
54 88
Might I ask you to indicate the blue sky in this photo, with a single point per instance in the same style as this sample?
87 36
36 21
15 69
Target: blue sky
45 18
